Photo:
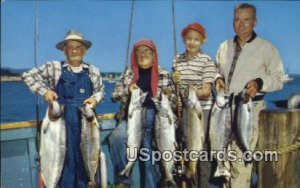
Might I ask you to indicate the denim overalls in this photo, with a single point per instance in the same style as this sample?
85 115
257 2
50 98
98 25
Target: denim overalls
72 89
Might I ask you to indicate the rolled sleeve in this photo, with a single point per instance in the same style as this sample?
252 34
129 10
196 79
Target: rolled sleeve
209 72
98 87
36 79
121 90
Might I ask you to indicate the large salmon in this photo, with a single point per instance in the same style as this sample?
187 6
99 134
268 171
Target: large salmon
90 142
165 135
245 120
53 145
220 130
135 129
194 130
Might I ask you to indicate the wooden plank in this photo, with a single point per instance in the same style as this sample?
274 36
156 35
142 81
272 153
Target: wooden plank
278 130
32 123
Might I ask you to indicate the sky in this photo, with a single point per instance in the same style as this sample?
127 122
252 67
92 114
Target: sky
106 25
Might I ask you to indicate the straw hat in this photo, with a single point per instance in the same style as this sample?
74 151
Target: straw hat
73 35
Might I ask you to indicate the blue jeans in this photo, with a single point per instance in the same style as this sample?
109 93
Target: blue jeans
150 173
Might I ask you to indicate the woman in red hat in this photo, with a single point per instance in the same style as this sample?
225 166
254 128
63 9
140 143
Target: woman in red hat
195 68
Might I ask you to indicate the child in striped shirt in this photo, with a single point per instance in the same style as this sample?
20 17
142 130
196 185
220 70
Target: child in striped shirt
195 68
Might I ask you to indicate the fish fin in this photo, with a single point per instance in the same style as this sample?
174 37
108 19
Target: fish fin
46 122
222 172
126 171
217 173
143 97
46 127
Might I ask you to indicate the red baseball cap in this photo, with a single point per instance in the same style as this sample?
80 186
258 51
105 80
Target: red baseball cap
196 27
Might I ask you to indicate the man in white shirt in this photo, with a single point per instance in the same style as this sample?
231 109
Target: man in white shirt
247 61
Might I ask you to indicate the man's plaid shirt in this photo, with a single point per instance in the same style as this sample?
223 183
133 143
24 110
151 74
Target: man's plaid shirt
46 77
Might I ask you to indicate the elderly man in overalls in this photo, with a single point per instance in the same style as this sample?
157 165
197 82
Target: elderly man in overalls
72 83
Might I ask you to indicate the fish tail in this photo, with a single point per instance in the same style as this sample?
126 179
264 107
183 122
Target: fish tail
127 170
91 185
169 182
191 175
222 171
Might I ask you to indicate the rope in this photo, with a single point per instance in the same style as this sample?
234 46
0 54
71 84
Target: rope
283 150
129 34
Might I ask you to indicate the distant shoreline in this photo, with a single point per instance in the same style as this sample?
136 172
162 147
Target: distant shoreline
10 78
18 79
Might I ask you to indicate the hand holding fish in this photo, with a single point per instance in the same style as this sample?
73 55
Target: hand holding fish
50 96
176 77
132 87
168 92
204 92
90 101
220 84
252 88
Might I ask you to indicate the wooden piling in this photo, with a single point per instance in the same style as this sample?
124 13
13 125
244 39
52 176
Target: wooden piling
279 130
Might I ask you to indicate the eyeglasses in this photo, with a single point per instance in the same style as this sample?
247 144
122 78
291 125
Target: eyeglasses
146 52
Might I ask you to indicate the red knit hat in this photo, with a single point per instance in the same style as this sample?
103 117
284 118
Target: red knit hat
196 27
154 70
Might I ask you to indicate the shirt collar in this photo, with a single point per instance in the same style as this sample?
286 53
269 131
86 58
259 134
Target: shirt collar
254 35
65 64
197 55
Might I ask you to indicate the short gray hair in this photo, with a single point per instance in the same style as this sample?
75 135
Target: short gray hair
245 6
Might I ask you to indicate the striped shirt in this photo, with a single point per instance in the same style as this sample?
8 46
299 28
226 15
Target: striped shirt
46 77
197 71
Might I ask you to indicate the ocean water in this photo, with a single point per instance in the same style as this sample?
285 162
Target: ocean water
19 104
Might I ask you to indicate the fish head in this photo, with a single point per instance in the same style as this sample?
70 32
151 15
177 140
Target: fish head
56 110
135 94
137 98
220 99
192 98
87 111
157 103
243 96
161 102
143 96
294 101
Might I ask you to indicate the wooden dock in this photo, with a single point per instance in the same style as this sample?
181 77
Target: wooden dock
279 131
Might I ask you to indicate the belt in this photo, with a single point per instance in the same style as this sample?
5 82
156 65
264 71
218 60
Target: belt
258 98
